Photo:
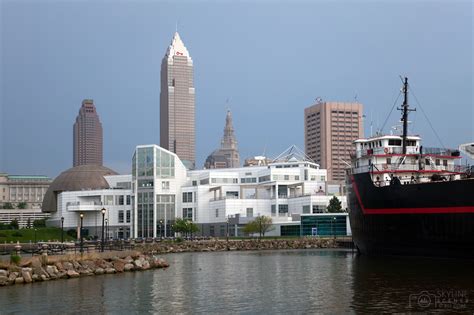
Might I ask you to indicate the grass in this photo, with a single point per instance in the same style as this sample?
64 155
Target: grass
27 235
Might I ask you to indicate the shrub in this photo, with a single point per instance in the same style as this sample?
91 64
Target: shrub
15 259
179 240
3 235
17 234
71 233
39 223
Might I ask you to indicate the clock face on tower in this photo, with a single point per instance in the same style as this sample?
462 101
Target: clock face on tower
178 53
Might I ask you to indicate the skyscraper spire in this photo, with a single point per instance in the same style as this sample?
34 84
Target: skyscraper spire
228 154
177 102
228 140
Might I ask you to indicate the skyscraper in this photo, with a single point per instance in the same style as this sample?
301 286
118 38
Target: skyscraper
177 107
87 136
228 155
329 130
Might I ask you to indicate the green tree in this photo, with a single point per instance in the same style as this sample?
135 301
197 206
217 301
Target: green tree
8 205
28 223
14 224
335 205
21 205
250 228
261 225
184 226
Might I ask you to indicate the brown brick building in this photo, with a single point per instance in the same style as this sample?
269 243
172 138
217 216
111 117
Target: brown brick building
329 130
87 134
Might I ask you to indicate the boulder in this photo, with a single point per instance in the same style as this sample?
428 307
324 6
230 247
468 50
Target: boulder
4 280
44 278
128 260
26 275
59 265
68 266
119 265
52 271
128 267
109 270
99 271
19 280
12 276
35 277
3 273
146 265
76 265
138 263
72 274
62 274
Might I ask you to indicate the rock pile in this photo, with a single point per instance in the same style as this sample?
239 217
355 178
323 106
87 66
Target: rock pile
38 271
222 245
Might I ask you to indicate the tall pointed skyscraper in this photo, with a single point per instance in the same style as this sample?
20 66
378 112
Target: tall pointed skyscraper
177 105
87 136
228 155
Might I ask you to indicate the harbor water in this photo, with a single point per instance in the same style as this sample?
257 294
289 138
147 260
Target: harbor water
265 282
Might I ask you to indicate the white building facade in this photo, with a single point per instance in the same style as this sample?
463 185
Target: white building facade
117 202
164 190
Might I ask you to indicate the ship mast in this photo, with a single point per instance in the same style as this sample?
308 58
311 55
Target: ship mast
405 111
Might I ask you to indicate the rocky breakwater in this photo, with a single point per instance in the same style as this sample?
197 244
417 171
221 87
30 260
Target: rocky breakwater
44 268
235 245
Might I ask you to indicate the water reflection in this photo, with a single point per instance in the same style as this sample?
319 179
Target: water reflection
394 284
299 281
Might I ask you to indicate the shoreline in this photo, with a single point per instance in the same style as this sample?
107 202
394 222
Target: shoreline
46 268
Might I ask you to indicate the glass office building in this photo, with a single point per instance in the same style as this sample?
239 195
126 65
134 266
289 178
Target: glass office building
157 174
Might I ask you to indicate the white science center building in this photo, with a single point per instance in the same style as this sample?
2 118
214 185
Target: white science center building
222 201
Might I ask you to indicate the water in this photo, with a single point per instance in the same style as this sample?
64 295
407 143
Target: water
292 281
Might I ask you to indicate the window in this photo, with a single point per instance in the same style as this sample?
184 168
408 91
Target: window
128 199
437 162
282 209
273 210
165 185
188 213
187 197
195 183
297 177
217 213
120 200
445 162
389 161
109 200
249 212
306 209
128 216
232 194
120 216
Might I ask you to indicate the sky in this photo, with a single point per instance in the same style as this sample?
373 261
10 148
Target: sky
265 60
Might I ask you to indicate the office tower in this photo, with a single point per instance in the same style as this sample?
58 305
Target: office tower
329 130
228 155
87 136
177 108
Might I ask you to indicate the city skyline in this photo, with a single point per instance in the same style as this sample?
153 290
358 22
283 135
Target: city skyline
264 67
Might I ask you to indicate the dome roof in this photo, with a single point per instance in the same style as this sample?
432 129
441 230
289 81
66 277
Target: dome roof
82 177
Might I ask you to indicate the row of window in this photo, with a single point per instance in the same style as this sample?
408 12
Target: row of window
121 216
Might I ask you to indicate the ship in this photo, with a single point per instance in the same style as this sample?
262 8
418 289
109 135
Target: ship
404 199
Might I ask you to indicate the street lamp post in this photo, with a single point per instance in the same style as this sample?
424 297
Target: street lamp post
227 235
35 236
103 221
62 229
80 232
161 228
334 228
106 229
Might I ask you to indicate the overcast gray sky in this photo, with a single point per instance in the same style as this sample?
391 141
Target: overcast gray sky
271 59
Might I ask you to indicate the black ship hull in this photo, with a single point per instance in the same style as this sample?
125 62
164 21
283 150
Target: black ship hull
429 219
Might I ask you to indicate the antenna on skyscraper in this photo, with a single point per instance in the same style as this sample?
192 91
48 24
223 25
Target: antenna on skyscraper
176 26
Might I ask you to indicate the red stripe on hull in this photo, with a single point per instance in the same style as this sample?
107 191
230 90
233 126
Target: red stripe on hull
469 209
419 210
